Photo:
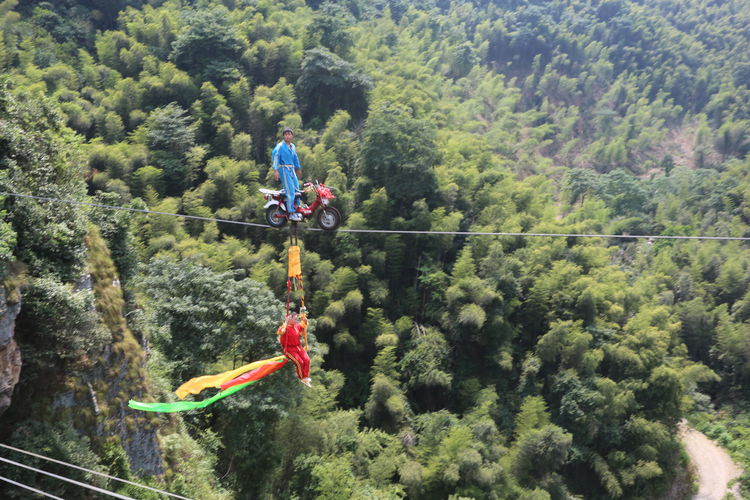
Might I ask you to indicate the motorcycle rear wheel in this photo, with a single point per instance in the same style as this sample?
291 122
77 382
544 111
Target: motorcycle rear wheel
274 216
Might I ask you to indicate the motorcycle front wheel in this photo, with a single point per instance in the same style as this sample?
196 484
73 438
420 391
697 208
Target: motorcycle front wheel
329 218
275 216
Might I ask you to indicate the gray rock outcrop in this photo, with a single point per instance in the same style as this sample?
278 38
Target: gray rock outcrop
10 354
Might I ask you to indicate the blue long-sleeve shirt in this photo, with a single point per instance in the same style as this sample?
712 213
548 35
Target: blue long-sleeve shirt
285 155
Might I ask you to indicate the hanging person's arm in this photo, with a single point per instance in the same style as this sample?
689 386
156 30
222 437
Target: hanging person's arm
303 330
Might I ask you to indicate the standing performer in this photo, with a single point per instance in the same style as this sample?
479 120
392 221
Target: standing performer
285 162
289 336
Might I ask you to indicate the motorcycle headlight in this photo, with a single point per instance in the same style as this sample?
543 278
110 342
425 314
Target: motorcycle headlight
325 201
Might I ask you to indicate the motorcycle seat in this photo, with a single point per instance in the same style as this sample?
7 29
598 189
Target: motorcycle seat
277 193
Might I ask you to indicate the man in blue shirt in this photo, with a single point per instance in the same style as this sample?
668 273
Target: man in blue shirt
285 162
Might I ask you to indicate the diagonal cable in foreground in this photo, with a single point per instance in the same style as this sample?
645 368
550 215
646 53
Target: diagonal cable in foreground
27 487
68 480
93 472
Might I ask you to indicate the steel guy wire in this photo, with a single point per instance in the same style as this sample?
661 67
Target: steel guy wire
27 487
92 471
72 481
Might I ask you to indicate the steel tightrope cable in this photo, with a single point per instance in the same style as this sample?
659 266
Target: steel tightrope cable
131 209
648 237
77 467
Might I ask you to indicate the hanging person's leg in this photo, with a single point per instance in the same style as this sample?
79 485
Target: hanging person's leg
293 354
305 368
301 361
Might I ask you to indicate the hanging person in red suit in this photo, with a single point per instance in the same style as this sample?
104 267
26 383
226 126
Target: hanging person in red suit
289 334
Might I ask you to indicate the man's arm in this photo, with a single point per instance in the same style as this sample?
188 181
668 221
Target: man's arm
297 166
275 165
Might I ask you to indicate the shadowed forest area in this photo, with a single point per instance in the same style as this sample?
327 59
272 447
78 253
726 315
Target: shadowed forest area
487 367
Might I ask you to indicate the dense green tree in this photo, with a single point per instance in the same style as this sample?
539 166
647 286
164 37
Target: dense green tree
70 330
329 28
268 107
36 153
228 316
327 84
399 153
210 45
170 135
540 453
425 369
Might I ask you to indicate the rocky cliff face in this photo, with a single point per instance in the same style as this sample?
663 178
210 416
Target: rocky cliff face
120 372
10 354
109 384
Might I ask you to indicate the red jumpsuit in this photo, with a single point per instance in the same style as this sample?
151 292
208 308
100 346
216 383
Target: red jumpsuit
290 343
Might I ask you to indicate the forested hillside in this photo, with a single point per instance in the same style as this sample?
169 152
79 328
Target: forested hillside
495 367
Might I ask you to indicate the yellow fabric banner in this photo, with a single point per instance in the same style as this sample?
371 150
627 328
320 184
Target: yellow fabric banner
295 268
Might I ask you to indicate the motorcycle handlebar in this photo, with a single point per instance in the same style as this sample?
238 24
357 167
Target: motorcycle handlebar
312 184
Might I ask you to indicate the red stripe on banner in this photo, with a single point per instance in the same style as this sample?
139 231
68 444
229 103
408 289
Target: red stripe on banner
256 374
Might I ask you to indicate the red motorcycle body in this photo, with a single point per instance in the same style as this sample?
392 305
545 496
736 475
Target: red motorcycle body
329 218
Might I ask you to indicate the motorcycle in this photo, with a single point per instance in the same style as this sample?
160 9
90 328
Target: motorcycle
328 217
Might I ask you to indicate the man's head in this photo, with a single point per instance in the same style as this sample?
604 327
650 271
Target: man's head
287 134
